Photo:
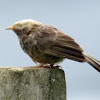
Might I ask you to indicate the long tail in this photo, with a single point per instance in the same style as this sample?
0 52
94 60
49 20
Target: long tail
93 62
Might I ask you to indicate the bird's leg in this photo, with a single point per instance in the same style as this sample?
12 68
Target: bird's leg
40 65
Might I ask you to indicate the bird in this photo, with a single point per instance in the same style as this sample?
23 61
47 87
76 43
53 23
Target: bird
46 44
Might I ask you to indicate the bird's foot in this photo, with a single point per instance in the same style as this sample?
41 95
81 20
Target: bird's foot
45 66
38 66
31 67
56 66
48 66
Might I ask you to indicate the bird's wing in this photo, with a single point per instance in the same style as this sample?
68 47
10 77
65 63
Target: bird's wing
55 43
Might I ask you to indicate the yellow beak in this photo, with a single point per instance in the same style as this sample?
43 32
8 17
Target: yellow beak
10 28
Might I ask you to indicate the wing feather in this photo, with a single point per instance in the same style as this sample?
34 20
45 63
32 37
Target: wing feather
57 44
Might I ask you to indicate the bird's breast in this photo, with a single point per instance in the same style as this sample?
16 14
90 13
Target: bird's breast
28 44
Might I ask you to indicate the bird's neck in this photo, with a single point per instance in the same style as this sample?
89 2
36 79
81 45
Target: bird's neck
20 33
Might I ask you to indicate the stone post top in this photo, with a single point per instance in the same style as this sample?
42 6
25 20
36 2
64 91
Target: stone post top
29 68
24 83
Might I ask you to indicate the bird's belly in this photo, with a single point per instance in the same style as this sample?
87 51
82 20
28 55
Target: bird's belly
46 59
38 56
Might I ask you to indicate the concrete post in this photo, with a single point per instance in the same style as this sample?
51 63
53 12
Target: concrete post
32 84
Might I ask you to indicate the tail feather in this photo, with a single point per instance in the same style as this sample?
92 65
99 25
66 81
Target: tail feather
93 62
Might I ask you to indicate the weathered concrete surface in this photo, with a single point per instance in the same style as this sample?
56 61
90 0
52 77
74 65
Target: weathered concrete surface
32 84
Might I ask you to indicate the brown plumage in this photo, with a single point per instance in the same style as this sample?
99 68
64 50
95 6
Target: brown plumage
47 45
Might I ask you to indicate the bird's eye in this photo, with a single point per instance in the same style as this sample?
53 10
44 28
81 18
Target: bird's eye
20 26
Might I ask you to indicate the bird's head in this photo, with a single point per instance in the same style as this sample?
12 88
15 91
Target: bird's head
22 27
